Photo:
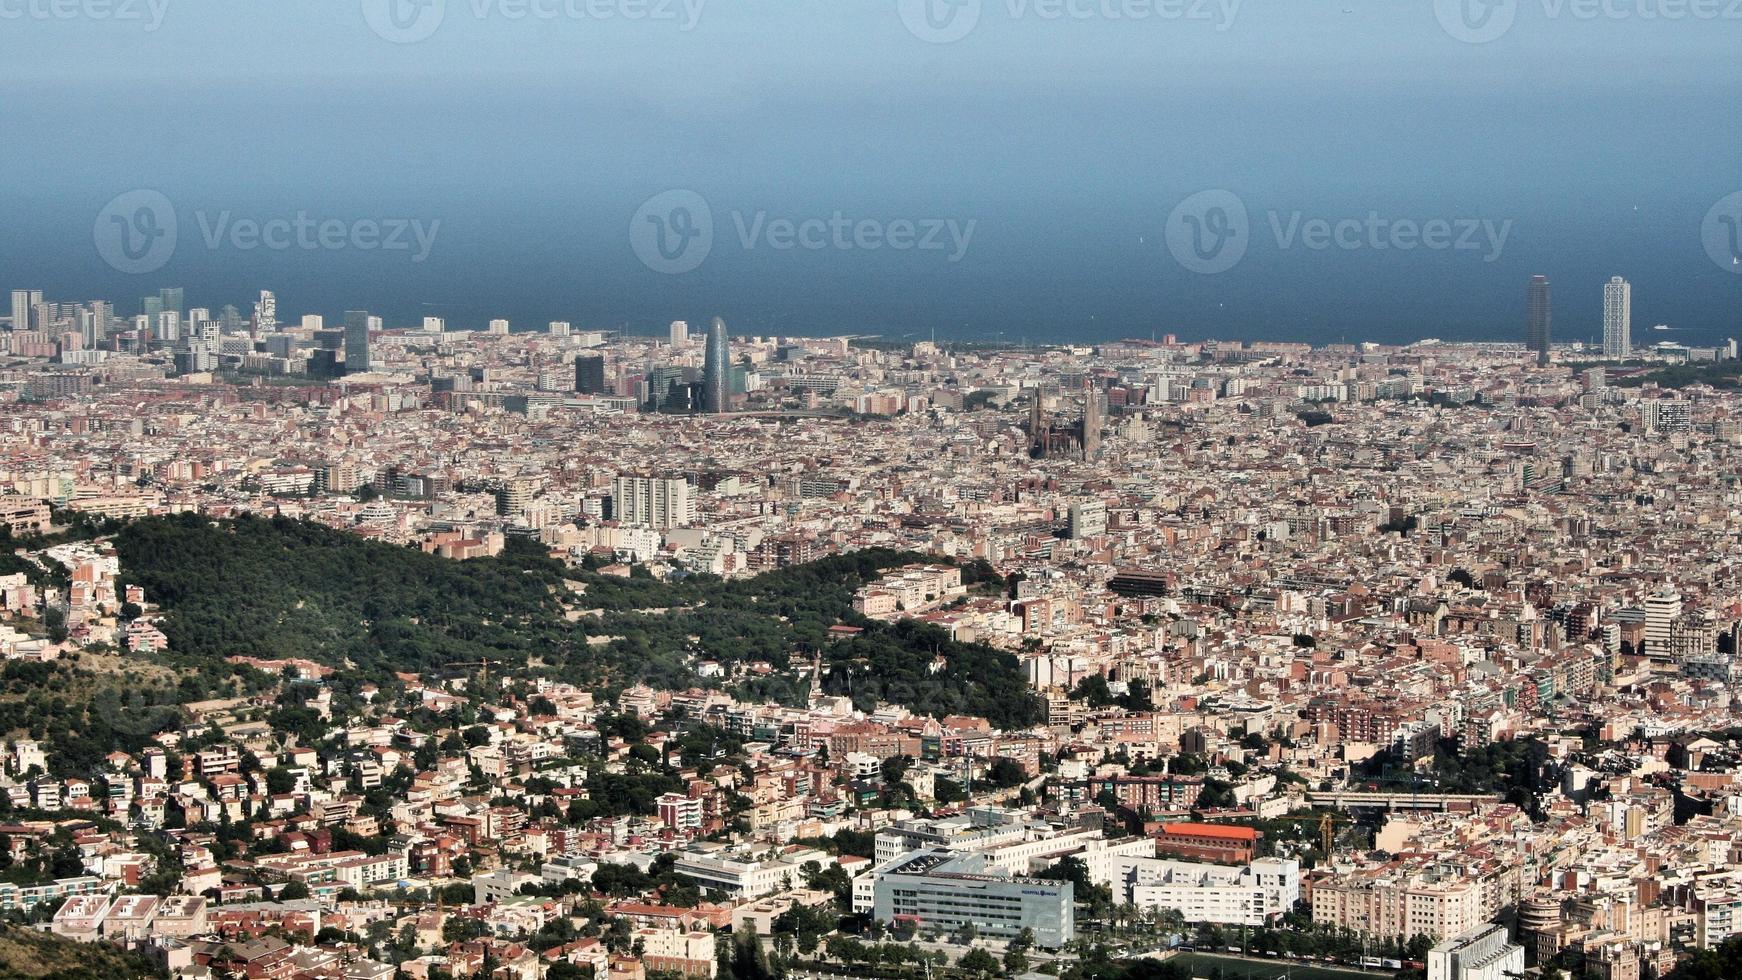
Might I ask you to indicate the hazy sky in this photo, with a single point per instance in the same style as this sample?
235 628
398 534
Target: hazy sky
1043 153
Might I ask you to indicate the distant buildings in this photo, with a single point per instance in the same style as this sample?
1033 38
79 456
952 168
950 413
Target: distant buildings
1541 318
717 370
590 375
1617 318
356 342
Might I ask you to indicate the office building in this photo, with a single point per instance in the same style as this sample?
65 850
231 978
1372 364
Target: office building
1617 318
651 501
590 375
24 301
1483 953
356 341
560 328
1540 318
945 891
1661 611
434 324
266 314
717 370
173 299
680 333
499 328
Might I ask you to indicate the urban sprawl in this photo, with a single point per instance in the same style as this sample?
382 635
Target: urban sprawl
361 651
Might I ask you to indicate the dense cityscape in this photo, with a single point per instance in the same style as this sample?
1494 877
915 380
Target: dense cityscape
367 650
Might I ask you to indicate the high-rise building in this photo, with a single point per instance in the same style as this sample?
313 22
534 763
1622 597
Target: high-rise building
1617 318
1540 318
23 302
717 370
590 375
356 341
560 328
172 298
650 501
266 314
680 333
499 328
1661 610
433 324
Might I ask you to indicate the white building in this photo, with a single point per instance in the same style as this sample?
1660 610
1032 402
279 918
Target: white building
656 502
714 868
1483 953
1252 895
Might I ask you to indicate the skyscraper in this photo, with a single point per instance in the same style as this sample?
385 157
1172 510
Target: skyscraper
1541 318
717 370
23 301
266 314
1617 318
590 374
356 341
680 333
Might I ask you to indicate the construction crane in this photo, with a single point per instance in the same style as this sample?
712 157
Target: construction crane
1327 829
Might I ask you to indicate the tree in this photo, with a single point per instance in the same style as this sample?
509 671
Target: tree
978 961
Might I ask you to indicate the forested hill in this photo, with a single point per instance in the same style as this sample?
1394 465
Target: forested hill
283 588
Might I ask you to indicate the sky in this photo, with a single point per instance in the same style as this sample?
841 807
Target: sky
1048 170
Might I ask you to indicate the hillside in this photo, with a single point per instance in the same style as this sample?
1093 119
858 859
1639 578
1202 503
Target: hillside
27 953
282 588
